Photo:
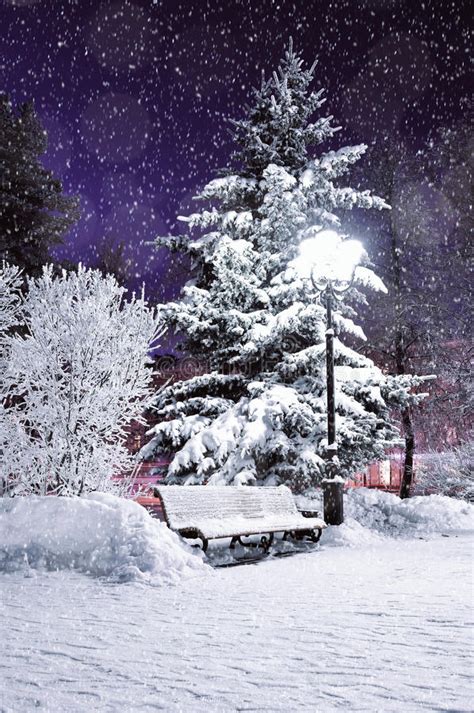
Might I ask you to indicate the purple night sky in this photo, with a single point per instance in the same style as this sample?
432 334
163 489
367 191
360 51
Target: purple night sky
134 95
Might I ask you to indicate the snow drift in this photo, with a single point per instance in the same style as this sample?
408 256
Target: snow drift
98 534
389 514
371 515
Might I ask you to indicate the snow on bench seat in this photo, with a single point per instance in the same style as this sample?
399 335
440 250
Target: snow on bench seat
214 529
212 512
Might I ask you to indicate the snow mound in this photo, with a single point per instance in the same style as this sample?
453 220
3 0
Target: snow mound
372 515
387 514
350 534
98 534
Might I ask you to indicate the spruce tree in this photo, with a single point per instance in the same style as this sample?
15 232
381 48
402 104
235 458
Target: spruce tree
34 213
259 413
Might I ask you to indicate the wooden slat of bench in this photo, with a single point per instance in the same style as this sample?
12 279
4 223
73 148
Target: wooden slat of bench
149 500
152 504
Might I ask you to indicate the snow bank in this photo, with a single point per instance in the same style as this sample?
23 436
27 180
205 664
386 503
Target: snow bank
98 534
372 515
424 514
350 534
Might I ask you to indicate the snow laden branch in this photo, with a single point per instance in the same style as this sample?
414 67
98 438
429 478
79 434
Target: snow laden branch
78 374
10 317
10 310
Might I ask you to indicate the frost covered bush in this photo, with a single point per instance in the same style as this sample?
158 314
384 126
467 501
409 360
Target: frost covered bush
448 473
10 307
76 375
10 316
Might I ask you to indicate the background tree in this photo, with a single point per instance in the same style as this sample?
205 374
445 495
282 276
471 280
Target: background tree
259 414
450 472
34 213
111 258
77 376
448 163
421 252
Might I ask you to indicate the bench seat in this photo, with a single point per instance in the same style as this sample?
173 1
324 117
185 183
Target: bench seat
215 529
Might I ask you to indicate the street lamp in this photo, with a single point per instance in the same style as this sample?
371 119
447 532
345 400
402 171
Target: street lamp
330 261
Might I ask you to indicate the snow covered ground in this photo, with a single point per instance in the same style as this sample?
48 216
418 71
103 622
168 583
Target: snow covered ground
367 623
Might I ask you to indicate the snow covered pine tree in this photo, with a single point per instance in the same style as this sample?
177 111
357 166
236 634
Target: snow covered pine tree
259 415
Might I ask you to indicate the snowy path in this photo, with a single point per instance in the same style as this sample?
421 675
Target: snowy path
384 627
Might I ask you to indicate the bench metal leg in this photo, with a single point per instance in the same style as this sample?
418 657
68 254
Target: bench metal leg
265 542
195 535
314 535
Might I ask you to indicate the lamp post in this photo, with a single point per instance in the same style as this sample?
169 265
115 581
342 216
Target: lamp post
332 263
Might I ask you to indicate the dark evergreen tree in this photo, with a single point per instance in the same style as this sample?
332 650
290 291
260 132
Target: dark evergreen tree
34 213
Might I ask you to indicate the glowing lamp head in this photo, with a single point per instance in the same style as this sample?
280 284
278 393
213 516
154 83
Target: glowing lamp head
327 257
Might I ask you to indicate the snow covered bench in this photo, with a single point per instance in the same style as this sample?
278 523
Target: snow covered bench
215 512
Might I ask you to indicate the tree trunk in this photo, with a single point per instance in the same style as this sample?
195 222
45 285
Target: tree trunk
406 482
401 362
407 475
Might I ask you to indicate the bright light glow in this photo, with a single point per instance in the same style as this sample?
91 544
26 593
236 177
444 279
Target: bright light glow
328 257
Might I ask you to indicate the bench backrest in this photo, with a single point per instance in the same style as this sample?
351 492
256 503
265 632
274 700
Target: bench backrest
186 505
